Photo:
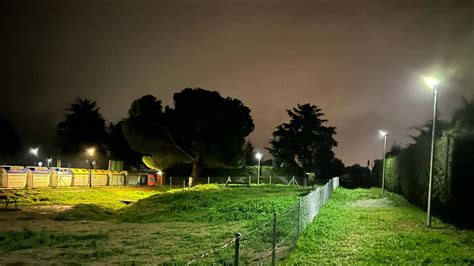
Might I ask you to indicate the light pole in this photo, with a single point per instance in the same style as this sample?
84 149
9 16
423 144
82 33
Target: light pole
433 84
259 157
34 151
384 135
90 152
49 160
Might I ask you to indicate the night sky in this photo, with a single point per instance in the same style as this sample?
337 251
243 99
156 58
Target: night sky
360 61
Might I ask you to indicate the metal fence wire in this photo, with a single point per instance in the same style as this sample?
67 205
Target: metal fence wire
272 239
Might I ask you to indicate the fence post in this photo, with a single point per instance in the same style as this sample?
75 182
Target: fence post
236 249
249 181
184 183
171 180
299 219
208 180
274 239
270 180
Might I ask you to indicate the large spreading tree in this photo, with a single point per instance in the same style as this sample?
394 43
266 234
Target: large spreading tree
10 144
306 143
119 147
82 127
203 129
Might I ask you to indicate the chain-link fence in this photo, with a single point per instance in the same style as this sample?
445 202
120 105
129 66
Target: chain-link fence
272 239
180 181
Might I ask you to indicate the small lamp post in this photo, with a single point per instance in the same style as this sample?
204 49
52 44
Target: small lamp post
49 160
259 157
90 152
384 135
34 151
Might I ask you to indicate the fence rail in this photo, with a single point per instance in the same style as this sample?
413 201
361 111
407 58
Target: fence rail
271 239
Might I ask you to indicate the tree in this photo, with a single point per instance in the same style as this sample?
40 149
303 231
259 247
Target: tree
119 147
305 142
203 129
10 144
83 127
249 153
357 176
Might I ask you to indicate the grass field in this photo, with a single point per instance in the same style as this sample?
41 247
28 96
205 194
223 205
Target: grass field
360 227
163 227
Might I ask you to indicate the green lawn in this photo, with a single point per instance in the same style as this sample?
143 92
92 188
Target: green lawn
172 226
360 227
109 197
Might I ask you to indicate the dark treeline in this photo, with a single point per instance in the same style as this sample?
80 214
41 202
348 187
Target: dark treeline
201 134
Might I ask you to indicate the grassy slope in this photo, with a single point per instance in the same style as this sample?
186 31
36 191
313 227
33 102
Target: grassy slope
175 226
360 227
108 197
213 203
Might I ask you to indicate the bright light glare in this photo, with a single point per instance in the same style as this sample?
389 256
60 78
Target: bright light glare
431 82
258 156
50 160
91 151
383 133
34 151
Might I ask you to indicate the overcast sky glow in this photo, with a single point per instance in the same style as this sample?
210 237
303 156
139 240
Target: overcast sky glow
359 60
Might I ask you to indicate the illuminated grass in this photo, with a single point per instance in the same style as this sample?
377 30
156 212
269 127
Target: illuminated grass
169 227
109 197
359 227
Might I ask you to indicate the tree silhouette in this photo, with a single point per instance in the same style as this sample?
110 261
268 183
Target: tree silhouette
306 143
83 127
10 144
203 129
119 147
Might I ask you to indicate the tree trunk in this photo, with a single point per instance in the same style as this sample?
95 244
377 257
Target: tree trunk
197 164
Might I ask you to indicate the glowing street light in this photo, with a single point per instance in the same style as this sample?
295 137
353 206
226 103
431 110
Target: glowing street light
433 83
259 157
49 160
90 152
34 151
384 134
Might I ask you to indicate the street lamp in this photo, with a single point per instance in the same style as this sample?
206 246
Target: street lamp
259 157
384 135
433 83
49 160
90 152
34 151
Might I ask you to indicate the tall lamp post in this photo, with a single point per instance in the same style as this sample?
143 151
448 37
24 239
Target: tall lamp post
433 84
90 152
259 157
384 135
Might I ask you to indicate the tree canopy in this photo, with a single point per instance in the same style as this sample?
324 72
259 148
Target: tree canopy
83 127
10 144
119 147
306 143
202 128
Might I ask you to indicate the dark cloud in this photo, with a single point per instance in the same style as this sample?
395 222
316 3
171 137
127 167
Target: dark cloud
359 60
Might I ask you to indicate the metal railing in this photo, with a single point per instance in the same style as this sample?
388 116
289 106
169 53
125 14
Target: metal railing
271 239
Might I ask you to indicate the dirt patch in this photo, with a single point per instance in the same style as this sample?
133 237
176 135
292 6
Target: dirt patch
372 203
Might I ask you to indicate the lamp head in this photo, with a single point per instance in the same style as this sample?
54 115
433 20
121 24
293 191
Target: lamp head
383 133
91 151
431 82
34 151
258 155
